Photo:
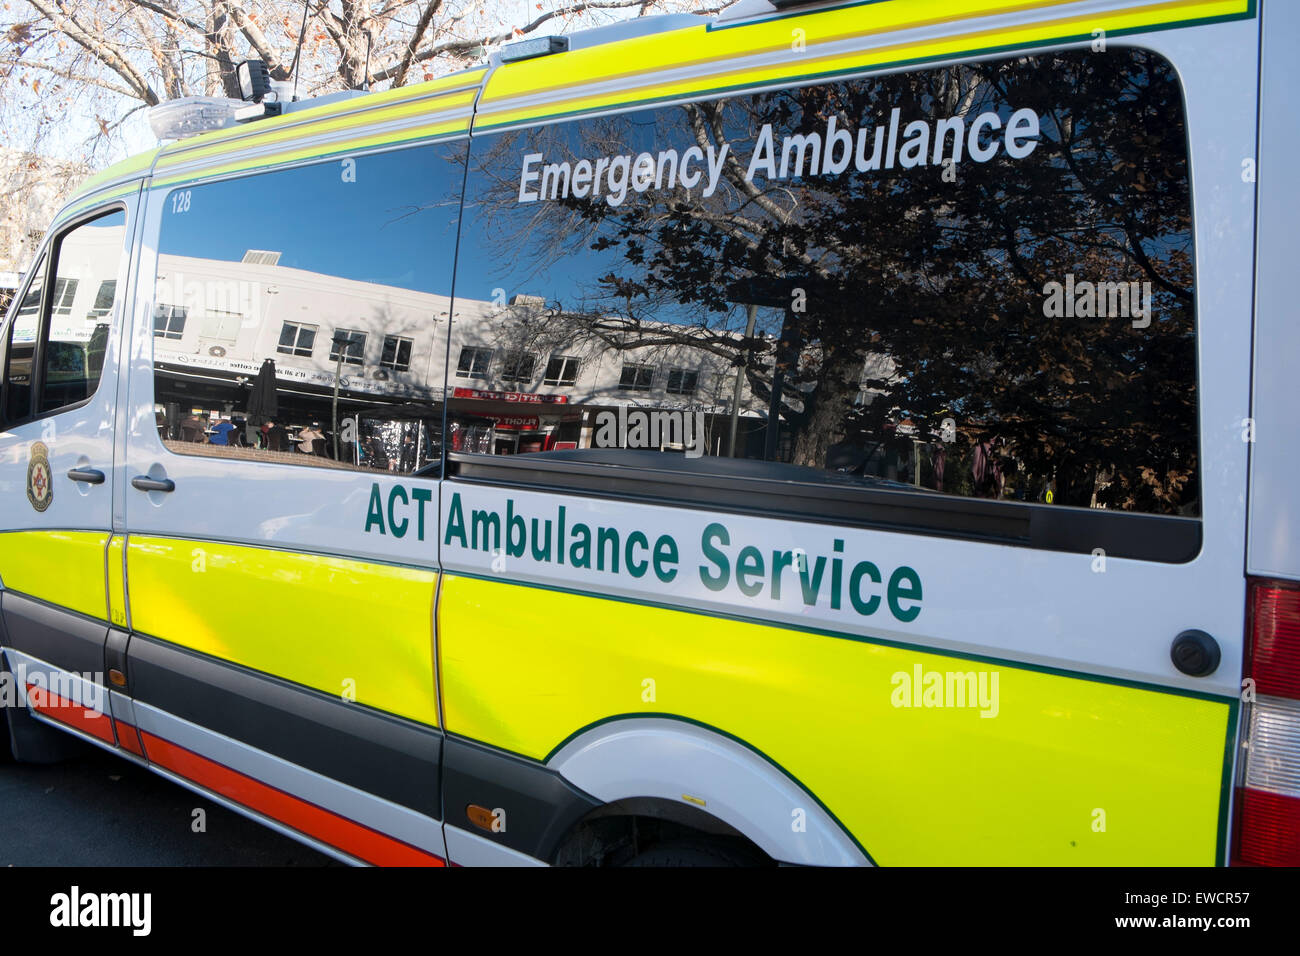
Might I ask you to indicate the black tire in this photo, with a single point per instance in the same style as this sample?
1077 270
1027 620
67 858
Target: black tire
697 853
26 740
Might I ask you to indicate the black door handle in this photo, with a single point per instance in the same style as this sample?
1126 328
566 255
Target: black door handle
90 476
145 483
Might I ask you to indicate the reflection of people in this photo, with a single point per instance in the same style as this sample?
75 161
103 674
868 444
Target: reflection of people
221 432
407 459
378 454
275 436
192 428
308 437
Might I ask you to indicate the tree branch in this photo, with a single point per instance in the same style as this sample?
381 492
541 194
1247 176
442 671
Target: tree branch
399 78
98 48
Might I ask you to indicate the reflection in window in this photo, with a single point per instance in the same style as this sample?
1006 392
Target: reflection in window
682 381
348 345
831 305
65 292
517 367
296 339
87 257
169 321
103 299
636 378
221 326
31 303
561 370
473 362
21 348
396 354
285 307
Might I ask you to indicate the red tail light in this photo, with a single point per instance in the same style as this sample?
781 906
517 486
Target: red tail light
1268 794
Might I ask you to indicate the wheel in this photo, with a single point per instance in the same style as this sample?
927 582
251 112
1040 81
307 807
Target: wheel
25 739
697 853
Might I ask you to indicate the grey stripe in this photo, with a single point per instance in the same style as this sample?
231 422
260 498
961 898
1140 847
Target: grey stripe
389 818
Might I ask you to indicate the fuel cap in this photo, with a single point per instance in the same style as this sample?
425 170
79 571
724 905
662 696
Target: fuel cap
1195 653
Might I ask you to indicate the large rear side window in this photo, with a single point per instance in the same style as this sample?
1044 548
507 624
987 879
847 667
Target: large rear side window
973 281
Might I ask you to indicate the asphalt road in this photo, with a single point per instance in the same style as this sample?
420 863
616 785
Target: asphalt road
99 810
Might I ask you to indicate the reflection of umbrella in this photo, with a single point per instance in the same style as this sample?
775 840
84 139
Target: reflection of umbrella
264 400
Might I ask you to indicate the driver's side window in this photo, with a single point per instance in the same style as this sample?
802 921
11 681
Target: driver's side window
20 348
54 346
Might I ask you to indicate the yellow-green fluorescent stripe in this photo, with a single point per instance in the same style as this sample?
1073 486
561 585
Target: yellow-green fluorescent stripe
134 166
525 668
116 581
361 120
65 568
360 106
566 76
450 127
342 627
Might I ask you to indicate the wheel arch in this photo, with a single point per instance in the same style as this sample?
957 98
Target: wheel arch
690 764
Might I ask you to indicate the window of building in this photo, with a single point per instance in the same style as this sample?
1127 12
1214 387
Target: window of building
350 345
103 299
517 367
169 321
65 291
561 370
636 378
220 326
683 381
297 339
396 354
473 362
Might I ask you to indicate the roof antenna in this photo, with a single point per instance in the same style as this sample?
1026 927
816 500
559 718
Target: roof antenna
297 53
366 86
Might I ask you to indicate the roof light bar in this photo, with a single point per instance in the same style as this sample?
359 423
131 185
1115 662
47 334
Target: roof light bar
532 47
191 115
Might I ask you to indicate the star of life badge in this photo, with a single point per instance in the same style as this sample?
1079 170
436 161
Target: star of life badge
40 479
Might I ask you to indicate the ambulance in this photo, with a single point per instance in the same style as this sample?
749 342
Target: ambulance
830 434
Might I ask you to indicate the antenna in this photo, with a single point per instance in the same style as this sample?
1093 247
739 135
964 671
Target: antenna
297 53
366 85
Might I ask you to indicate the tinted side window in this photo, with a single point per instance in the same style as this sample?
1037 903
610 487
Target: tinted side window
20 348
298 313
86 262
973 281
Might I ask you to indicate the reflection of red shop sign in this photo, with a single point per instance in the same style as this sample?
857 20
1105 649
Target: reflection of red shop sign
521 422
523 398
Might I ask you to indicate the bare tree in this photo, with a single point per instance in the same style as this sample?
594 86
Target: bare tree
104 59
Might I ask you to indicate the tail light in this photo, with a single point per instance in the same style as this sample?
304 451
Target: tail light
1267 830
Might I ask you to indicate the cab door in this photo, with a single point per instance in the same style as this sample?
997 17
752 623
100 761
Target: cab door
60 351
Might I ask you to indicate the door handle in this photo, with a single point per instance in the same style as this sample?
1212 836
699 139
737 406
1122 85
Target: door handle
90 476
145 483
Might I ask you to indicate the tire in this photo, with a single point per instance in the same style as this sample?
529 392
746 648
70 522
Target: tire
697 853
27 740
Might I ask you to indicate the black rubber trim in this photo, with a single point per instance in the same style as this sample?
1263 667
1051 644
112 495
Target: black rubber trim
68 640
383 755
1167 539
540 806
115 654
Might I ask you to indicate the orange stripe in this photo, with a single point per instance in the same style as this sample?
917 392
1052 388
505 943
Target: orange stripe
73 714
353 838
128 738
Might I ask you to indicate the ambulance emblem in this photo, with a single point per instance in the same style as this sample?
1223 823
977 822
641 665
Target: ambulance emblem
40 480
